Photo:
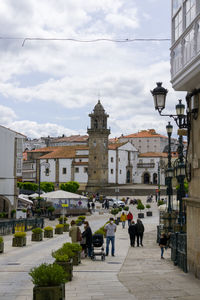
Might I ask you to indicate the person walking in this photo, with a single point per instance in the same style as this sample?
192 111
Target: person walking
87 234
123 219
129 218
74 232
163 244
110 230
132 233
139 232
93 206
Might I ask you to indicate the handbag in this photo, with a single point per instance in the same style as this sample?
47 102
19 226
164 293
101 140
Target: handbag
79 236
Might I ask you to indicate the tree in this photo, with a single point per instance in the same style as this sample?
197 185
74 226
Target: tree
28 186
47 186
70 186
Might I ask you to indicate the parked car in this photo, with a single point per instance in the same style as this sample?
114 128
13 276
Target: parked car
115 203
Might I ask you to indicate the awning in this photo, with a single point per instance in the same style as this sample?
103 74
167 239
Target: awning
24 199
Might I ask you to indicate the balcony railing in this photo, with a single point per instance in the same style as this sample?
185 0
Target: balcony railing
186 48
146 165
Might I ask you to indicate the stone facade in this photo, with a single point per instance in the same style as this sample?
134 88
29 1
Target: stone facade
185 76
98 149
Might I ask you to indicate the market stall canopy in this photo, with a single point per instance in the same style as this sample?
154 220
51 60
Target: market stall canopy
60 194
24 198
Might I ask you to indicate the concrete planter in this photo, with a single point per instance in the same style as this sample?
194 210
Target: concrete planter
59 230
67 267
48 233
19 242
2 247
49 292
37 237
149 213
66 228
77 259
141 215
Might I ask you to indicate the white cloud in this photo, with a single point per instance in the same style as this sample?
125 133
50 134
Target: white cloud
7 115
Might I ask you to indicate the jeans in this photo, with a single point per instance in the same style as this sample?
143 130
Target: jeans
123 224
129 222
89 251
112 240
162 251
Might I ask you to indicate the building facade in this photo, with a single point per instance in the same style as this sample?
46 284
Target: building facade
11 157
146 141
185 76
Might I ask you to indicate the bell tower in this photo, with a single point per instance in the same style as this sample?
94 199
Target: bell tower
98 149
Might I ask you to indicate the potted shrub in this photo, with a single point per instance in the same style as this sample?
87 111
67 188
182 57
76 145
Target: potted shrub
19 239
79 222
82 218
140 207
114 212
50 210
126 208
48 280
148 213
59 229
13 213
66 227
48 232
65 262
1 245
37 234
74 250
62 219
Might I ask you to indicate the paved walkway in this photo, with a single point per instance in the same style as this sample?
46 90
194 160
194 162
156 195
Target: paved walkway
134 273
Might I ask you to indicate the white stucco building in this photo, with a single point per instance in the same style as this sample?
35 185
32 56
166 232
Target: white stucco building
11 151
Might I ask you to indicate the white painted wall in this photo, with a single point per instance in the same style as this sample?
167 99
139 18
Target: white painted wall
52 171
112 166
7 162
81 176
65 163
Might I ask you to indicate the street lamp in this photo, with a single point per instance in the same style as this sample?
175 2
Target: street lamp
170 170
182 121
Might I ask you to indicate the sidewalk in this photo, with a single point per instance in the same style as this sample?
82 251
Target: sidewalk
150 278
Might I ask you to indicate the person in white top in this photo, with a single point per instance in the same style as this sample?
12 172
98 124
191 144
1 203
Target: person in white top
110 230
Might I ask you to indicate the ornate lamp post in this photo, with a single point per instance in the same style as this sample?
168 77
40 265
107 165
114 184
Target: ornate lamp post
170 170
159 95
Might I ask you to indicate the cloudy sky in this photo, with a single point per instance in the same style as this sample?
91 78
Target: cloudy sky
49 87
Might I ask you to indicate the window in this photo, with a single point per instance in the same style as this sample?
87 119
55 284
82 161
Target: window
19 165
94 143
95 157
111 171
120 171
152 161
80 160
140 161
76 170
47 172
190 11
111 159
94 172
189 46
64 170
119 158
178 25
176 4
85 169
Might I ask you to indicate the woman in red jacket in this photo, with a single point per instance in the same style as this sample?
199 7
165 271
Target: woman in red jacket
129 218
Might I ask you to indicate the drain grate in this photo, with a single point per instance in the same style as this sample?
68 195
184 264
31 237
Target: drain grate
113 262
13 264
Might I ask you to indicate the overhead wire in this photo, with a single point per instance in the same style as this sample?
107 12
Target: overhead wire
125 40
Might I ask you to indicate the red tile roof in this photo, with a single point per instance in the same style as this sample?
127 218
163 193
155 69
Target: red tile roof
59 152
150 133
115 146
72 138
153 154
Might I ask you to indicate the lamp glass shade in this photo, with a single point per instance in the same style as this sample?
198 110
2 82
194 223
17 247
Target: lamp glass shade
159 95
195 103
170 173
181 169
180 108
169 128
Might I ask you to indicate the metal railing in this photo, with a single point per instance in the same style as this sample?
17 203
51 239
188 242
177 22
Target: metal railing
178 244
145 165
11 226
